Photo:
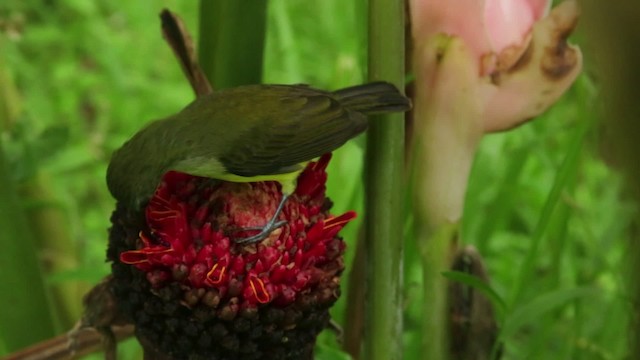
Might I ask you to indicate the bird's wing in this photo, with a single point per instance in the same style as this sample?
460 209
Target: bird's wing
301 129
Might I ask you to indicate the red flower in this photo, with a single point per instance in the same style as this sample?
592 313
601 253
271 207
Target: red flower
192 222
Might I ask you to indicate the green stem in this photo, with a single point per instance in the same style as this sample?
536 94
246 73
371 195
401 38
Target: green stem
50 227
384 186
614 31
26 317
436 250
231 41
354 313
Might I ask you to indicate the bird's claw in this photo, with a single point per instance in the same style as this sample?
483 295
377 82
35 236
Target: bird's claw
267 229
263 234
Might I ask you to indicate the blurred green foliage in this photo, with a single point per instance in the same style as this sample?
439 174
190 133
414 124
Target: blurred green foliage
88 74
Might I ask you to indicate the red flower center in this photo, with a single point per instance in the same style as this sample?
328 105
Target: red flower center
193 220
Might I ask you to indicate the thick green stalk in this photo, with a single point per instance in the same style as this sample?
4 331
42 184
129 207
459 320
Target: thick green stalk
47 222
50 226
615 34
25 317
384 186
231 41
437 251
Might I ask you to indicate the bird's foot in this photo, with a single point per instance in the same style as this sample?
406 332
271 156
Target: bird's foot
266 230
263 234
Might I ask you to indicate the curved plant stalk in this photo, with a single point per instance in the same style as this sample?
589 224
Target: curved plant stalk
384 189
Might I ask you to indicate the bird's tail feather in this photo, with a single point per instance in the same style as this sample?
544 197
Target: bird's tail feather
373 98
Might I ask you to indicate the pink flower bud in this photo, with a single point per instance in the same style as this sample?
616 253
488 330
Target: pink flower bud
480 66
488 27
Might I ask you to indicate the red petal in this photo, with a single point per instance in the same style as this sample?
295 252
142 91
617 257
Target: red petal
134 257
341 220
215 276
258 289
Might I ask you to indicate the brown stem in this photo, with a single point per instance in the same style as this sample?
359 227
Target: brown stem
472 323
177 36
101 327
85 341
354 323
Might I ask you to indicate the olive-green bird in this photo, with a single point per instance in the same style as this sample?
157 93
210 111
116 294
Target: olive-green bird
246 134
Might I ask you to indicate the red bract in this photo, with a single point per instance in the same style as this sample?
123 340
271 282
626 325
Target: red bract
193 221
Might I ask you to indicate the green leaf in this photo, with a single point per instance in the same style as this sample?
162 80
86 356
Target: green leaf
90 275
541 305
51 140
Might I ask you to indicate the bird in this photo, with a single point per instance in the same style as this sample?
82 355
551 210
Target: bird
248 133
